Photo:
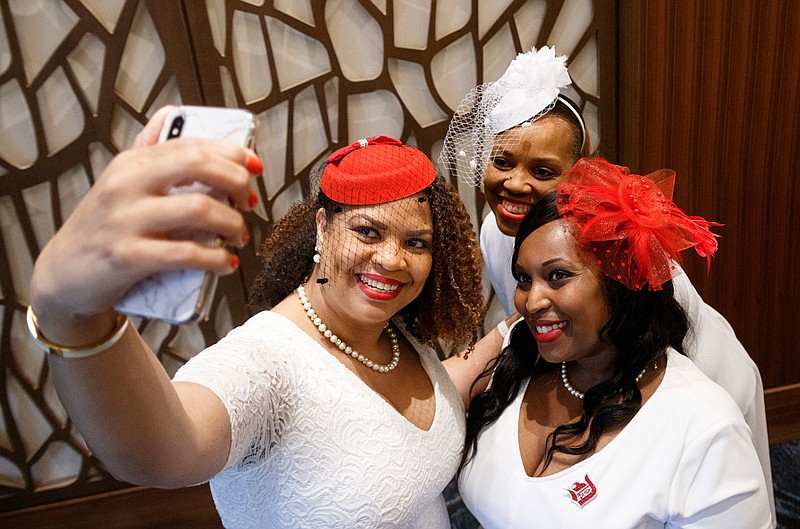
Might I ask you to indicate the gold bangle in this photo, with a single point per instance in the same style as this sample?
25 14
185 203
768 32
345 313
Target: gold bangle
120 325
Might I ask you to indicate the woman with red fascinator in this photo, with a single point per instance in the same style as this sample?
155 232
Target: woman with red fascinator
330 408
594 416
515 138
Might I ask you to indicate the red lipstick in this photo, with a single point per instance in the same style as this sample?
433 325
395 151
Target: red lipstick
383 292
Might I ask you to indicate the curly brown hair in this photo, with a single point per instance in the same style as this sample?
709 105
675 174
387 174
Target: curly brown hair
448 312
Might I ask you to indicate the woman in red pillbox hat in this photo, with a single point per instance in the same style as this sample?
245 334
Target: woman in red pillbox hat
330 407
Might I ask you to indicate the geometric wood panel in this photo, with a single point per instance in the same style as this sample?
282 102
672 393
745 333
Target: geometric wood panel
79 78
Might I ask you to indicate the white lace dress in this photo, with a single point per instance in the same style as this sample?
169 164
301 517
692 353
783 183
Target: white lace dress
312 446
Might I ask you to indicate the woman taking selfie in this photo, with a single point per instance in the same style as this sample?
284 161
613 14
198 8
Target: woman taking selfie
329 409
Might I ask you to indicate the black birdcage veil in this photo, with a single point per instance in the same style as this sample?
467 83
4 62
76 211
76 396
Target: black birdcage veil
374 232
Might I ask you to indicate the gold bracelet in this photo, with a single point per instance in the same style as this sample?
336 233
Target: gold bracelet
120 325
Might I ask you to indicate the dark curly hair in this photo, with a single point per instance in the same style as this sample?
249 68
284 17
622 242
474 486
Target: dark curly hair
642 325
449 310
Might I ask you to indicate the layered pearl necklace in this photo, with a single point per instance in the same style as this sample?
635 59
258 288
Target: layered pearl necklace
574 392
346 349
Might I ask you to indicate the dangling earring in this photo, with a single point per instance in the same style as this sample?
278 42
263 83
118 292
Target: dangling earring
317 259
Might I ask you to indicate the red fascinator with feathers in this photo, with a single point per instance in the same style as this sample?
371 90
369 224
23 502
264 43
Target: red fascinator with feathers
629 222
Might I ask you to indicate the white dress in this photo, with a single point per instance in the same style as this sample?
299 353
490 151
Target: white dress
497 249
313 446
711 343
684 460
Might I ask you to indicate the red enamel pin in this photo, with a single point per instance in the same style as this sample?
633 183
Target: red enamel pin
582 492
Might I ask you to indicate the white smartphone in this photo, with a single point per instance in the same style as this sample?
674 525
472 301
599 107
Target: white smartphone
185 296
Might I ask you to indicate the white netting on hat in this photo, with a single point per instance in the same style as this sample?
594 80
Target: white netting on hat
528 89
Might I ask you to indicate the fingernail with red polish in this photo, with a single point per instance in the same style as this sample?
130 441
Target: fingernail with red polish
254 165
252 200
234 261
246 236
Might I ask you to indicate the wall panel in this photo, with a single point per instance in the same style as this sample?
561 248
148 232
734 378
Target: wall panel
712 89
79 78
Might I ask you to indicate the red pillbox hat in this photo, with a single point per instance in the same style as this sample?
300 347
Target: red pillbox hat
374 171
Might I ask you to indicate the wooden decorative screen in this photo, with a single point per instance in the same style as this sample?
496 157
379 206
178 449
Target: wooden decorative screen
79 78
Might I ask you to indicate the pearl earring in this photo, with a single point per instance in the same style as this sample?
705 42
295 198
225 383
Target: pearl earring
317 259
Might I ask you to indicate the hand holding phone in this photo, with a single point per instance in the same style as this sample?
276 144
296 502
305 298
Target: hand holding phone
184 296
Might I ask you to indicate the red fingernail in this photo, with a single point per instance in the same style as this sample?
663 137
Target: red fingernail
246 235
252 200
234 261
254 165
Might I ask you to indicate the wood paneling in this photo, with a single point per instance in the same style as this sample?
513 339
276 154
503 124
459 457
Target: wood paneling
783 419
103 71
712 89
131 508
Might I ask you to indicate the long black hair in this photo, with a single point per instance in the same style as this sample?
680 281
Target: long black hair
641 326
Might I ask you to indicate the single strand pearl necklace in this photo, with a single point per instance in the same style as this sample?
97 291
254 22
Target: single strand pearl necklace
346 349
574 392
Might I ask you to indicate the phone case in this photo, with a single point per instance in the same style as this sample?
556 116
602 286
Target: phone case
185 296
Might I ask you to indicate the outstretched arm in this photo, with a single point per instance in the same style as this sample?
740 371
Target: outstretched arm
146 429
464 371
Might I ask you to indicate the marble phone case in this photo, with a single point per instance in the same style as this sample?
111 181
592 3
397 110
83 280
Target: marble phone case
185 296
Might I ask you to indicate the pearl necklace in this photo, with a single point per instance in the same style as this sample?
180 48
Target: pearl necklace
574 392
346 349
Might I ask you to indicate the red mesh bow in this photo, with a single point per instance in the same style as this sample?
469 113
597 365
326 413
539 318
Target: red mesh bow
633 228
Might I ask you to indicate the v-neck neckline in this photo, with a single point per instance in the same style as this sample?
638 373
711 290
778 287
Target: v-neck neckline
519 462
424 360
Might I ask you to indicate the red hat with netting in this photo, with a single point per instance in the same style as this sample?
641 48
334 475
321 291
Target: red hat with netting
374 171
631 226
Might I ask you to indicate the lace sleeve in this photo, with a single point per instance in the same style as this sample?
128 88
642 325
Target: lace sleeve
249 372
